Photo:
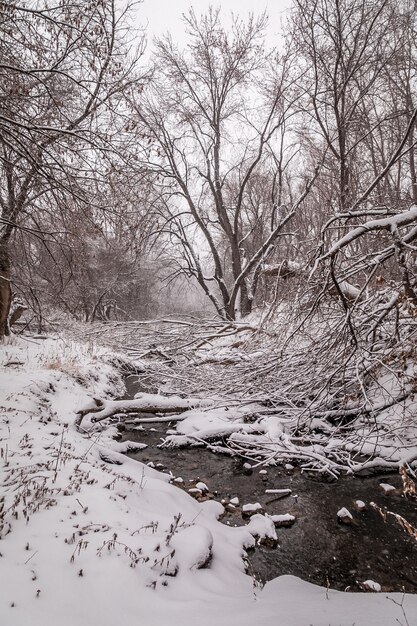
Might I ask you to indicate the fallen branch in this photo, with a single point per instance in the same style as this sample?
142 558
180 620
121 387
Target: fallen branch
387 223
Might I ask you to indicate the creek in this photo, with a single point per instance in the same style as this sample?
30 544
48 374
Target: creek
317 547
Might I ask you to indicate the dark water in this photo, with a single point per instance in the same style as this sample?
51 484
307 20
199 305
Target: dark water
317 548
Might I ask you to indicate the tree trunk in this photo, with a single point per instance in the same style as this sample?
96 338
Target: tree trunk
16 312
5 288
245 301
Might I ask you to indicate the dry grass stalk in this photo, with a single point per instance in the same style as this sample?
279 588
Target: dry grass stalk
405 525
409 486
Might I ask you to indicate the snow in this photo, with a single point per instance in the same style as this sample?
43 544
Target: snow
144 403
89 542
193 546
389 439
360 505
129 446
289 265
234 501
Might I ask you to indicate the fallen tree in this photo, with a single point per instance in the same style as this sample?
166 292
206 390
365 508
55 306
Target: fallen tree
297 393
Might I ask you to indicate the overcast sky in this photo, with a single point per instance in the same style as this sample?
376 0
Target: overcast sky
165 15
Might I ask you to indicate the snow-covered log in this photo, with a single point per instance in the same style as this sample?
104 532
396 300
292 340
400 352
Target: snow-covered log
285 269
349 291
143 403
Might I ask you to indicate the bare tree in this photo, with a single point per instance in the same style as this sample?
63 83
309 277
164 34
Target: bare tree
97 265
216 119
344 49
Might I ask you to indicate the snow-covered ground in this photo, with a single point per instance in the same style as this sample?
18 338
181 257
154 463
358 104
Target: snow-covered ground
90 537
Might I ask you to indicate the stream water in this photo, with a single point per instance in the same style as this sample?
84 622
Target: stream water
317 548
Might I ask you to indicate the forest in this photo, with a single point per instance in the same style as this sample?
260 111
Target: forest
222 180
208 260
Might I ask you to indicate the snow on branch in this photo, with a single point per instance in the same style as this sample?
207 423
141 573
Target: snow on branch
388 223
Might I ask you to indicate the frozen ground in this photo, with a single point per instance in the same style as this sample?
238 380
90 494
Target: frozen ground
89 537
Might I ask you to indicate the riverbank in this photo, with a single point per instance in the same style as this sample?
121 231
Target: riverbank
90 536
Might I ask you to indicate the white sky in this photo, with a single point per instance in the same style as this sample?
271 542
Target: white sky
161 16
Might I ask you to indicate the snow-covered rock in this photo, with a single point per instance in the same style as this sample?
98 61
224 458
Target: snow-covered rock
234 501
247 469
371 585
344 516
262 527
251 509
192 546
285 520
360 505
202 486
386 487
